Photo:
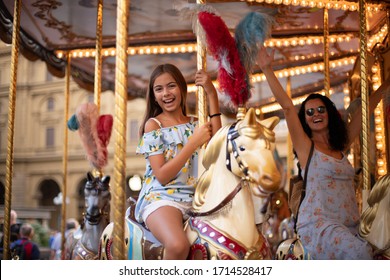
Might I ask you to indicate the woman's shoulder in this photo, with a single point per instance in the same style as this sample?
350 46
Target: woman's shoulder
152 124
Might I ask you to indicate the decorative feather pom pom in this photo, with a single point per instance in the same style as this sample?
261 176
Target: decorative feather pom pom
250 33
222 46
104 128
73 123
94 133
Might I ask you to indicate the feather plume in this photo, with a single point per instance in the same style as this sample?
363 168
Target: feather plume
94 131
251 33
222 46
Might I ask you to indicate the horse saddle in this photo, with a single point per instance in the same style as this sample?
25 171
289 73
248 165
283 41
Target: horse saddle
142 243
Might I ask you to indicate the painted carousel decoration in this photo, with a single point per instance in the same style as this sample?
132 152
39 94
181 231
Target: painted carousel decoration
95 133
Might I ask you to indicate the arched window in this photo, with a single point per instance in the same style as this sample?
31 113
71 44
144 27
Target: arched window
49 189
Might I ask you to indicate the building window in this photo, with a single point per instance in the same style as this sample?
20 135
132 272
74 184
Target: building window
91 98
49 76
133 131
50 104
50 137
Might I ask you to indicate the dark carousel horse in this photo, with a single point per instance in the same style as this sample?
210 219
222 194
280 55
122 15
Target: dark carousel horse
85 245
239 162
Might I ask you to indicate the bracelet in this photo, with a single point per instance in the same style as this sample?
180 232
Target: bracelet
214 115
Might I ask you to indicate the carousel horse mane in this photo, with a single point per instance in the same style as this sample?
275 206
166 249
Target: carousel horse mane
210 156
374 225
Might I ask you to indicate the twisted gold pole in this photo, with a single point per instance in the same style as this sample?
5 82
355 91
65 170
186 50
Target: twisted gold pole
326 52
65 157
11 129
202 101
290 155
120 130
98 56
364 96
201 64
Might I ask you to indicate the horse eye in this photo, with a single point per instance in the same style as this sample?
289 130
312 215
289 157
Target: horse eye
242 148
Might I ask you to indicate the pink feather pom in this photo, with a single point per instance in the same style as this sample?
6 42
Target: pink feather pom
95 148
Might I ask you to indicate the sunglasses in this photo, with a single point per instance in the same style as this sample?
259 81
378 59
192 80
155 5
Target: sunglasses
320 109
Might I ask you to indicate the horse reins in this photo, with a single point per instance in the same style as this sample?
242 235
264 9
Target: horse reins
232 135
222 204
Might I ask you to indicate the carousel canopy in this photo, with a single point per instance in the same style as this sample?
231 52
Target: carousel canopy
157 33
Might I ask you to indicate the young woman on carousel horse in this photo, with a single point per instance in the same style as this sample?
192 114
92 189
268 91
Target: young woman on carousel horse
169 141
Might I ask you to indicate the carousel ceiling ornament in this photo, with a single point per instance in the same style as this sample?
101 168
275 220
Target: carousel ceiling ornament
51 30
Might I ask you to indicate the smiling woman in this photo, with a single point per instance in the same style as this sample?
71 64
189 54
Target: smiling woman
169 142
328 217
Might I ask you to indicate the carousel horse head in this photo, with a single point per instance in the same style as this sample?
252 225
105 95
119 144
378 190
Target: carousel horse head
85 244
97 199
375 220
239 161
246 150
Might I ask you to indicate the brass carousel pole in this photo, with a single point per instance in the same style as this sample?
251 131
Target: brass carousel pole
11 129
98 56
365 105
65 157
202 102
326 52
290 155
98 65
119 247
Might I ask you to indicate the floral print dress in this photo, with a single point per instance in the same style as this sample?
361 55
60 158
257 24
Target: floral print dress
168 141
328 216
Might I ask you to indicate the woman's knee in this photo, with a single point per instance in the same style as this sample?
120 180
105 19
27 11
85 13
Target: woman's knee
178 246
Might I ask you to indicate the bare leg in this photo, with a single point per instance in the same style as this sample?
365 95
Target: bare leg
166 224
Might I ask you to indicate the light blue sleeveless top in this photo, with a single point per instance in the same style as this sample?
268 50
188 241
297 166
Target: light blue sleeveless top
168 141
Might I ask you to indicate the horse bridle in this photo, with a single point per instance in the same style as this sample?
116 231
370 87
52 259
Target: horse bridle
231 136
96 217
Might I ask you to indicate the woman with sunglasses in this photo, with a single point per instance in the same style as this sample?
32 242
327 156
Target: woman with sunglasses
328 216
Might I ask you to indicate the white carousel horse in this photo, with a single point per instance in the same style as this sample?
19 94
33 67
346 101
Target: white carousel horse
238 161
84 245
375 220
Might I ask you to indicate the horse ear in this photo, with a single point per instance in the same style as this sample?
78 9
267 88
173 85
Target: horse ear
270 123
89 176
250 118
106 179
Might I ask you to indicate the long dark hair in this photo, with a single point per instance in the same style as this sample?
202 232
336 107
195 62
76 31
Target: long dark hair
152 107
338 134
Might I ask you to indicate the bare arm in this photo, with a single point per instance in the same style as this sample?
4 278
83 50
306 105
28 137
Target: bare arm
203 79
165 171
300 140
355 125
